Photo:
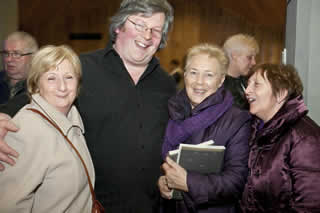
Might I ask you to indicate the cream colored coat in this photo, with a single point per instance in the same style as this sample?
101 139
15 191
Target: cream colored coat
48 175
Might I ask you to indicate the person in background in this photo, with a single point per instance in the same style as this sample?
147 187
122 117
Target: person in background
17 53
123 103
284 157
241 50
177 73
48 176
203 111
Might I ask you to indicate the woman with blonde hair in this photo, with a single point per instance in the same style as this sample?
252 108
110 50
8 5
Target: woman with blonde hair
48 175
203 111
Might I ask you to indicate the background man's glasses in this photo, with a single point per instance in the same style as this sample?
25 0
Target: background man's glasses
15 55
142 28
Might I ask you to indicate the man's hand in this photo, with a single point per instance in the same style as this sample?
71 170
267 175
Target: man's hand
6 152
175 175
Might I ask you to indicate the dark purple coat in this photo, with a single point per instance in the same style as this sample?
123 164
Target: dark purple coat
284 163
216 192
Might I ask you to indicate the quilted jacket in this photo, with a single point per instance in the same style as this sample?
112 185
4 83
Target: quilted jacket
284 163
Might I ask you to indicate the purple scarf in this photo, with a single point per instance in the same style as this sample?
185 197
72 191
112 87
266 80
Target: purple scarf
180 130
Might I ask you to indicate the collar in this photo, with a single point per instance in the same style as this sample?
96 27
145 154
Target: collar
109 48
66 123
153 64
18 86
180 107
240 79
286 117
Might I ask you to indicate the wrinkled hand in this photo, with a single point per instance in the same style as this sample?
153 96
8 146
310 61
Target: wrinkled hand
6 152
176 176
165 191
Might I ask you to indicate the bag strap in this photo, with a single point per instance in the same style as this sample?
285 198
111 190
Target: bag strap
67 139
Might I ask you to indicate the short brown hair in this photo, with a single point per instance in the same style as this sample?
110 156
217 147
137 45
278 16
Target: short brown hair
50 57
281 77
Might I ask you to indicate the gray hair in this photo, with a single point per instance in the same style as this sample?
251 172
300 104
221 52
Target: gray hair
240 42
147 8
29 41
211 50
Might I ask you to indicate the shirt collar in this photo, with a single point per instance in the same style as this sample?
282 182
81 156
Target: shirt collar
109 48
151 66
73 118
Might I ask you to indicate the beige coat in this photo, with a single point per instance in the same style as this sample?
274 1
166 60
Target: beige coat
48 175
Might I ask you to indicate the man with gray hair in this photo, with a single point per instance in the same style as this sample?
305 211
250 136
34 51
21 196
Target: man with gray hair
241 50
16 54
123 104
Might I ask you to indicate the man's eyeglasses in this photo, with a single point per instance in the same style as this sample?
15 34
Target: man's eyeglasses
15 55
142 28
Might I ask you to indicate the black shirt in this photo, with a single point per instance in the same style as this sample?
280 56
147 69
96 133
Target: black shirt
12 99
237 87
8 92
124 126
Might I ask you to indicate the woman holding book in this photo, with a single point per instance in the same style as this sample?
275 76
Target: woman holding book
284 157
48 175
203 111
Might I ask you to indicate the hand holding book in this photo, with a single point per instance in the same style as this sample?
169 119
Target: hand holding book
176 176
203 158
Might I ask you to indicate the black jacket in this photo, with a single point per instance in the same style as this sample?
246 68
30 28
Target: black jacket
237 86
12 105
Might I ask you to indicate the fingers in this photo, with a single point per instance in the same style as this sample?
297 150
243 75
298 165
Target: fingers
163 183
169 160
7 159
4 116
176 175
165 167
173 165
165 191
6 153
5 149
5 126
166 195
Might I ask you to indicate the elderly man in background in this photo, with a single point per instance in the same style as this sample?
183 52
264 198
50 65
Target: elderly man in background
16 54
241 50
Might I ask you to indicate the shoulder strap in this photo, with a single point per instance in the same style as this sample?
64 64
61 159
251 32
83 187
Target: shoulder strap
67 139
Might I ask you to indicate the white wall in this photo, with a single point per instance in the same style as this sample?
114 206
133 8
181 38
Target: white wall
314 61
8 19
303 49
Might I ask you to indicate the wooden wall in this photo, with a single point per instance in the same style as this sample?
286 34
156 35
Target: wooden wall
52 22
